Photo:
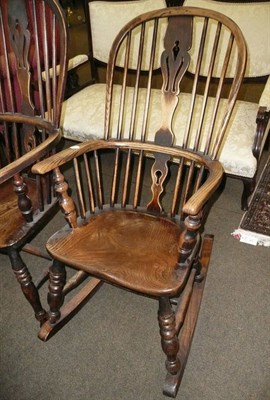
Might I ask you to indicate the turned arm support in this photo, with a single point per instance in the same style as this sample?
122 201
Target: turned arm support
197 202
43 148
66 203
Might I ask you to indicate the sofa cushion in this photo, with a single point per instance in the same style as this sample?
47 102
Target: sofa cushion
84 113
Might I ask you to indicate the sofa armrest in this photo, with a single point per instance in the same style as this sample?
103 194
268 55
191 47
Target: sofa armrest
74 62
262 131
265 96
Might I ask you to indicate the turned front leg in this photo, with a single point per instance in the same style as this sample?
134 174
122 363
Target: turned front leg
169 337
57 280
28 288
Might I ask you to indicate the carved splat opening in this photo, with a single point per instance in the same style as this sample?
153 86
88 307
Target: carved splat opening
176 49
158 176
172 86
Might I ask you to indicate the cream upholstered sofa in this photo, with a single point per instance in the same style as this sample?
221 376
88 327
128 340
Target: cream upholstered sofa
83 114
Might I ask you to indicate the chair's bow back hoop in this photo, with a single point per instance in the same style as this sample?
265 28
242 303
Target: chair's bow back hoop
215 114
201 121
199 117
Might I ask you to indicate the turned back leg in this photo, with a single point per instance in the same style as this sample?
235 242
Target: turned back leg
28 288
57 280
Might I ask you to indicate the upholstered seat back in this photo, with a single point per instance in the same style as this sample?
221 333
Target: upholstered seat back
114 15
253 18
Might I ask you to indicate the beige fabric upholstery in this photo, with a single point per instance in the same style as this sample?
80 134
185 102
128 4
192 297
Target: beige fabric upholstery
77 60
83 119
252 18
113 19
72 63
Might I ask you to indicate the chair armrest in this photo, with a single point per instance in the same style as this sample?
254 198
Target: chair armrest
43 148
192 206
196 202
74 62
65 156
265 96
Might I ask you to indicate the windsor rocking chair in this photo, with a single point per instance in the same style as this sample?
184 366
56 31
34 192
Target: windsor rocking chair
138 216
33 41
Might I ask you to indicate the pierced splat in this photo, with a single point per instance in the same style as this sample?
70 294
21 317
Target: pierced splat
20 42
174 63
176 50
175 58
159 173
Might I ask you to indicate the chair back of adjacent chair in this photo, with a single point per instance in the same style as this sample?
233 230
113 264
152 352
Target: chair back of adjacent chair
33 41
199 119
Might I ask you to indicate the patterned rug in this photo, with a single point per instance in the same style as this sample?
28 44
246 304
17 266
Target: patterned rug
254 227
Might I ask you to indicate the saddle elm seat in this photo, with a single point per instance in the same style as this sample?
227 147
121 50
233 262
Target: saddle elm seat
148 249
140 246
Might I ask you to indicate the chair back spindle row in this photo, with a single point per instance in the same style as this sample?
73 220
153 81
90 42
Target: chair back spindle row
126 185
212 49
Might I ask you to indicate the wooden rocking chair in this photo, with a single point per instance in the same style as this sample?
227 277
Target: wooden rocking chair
137 219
